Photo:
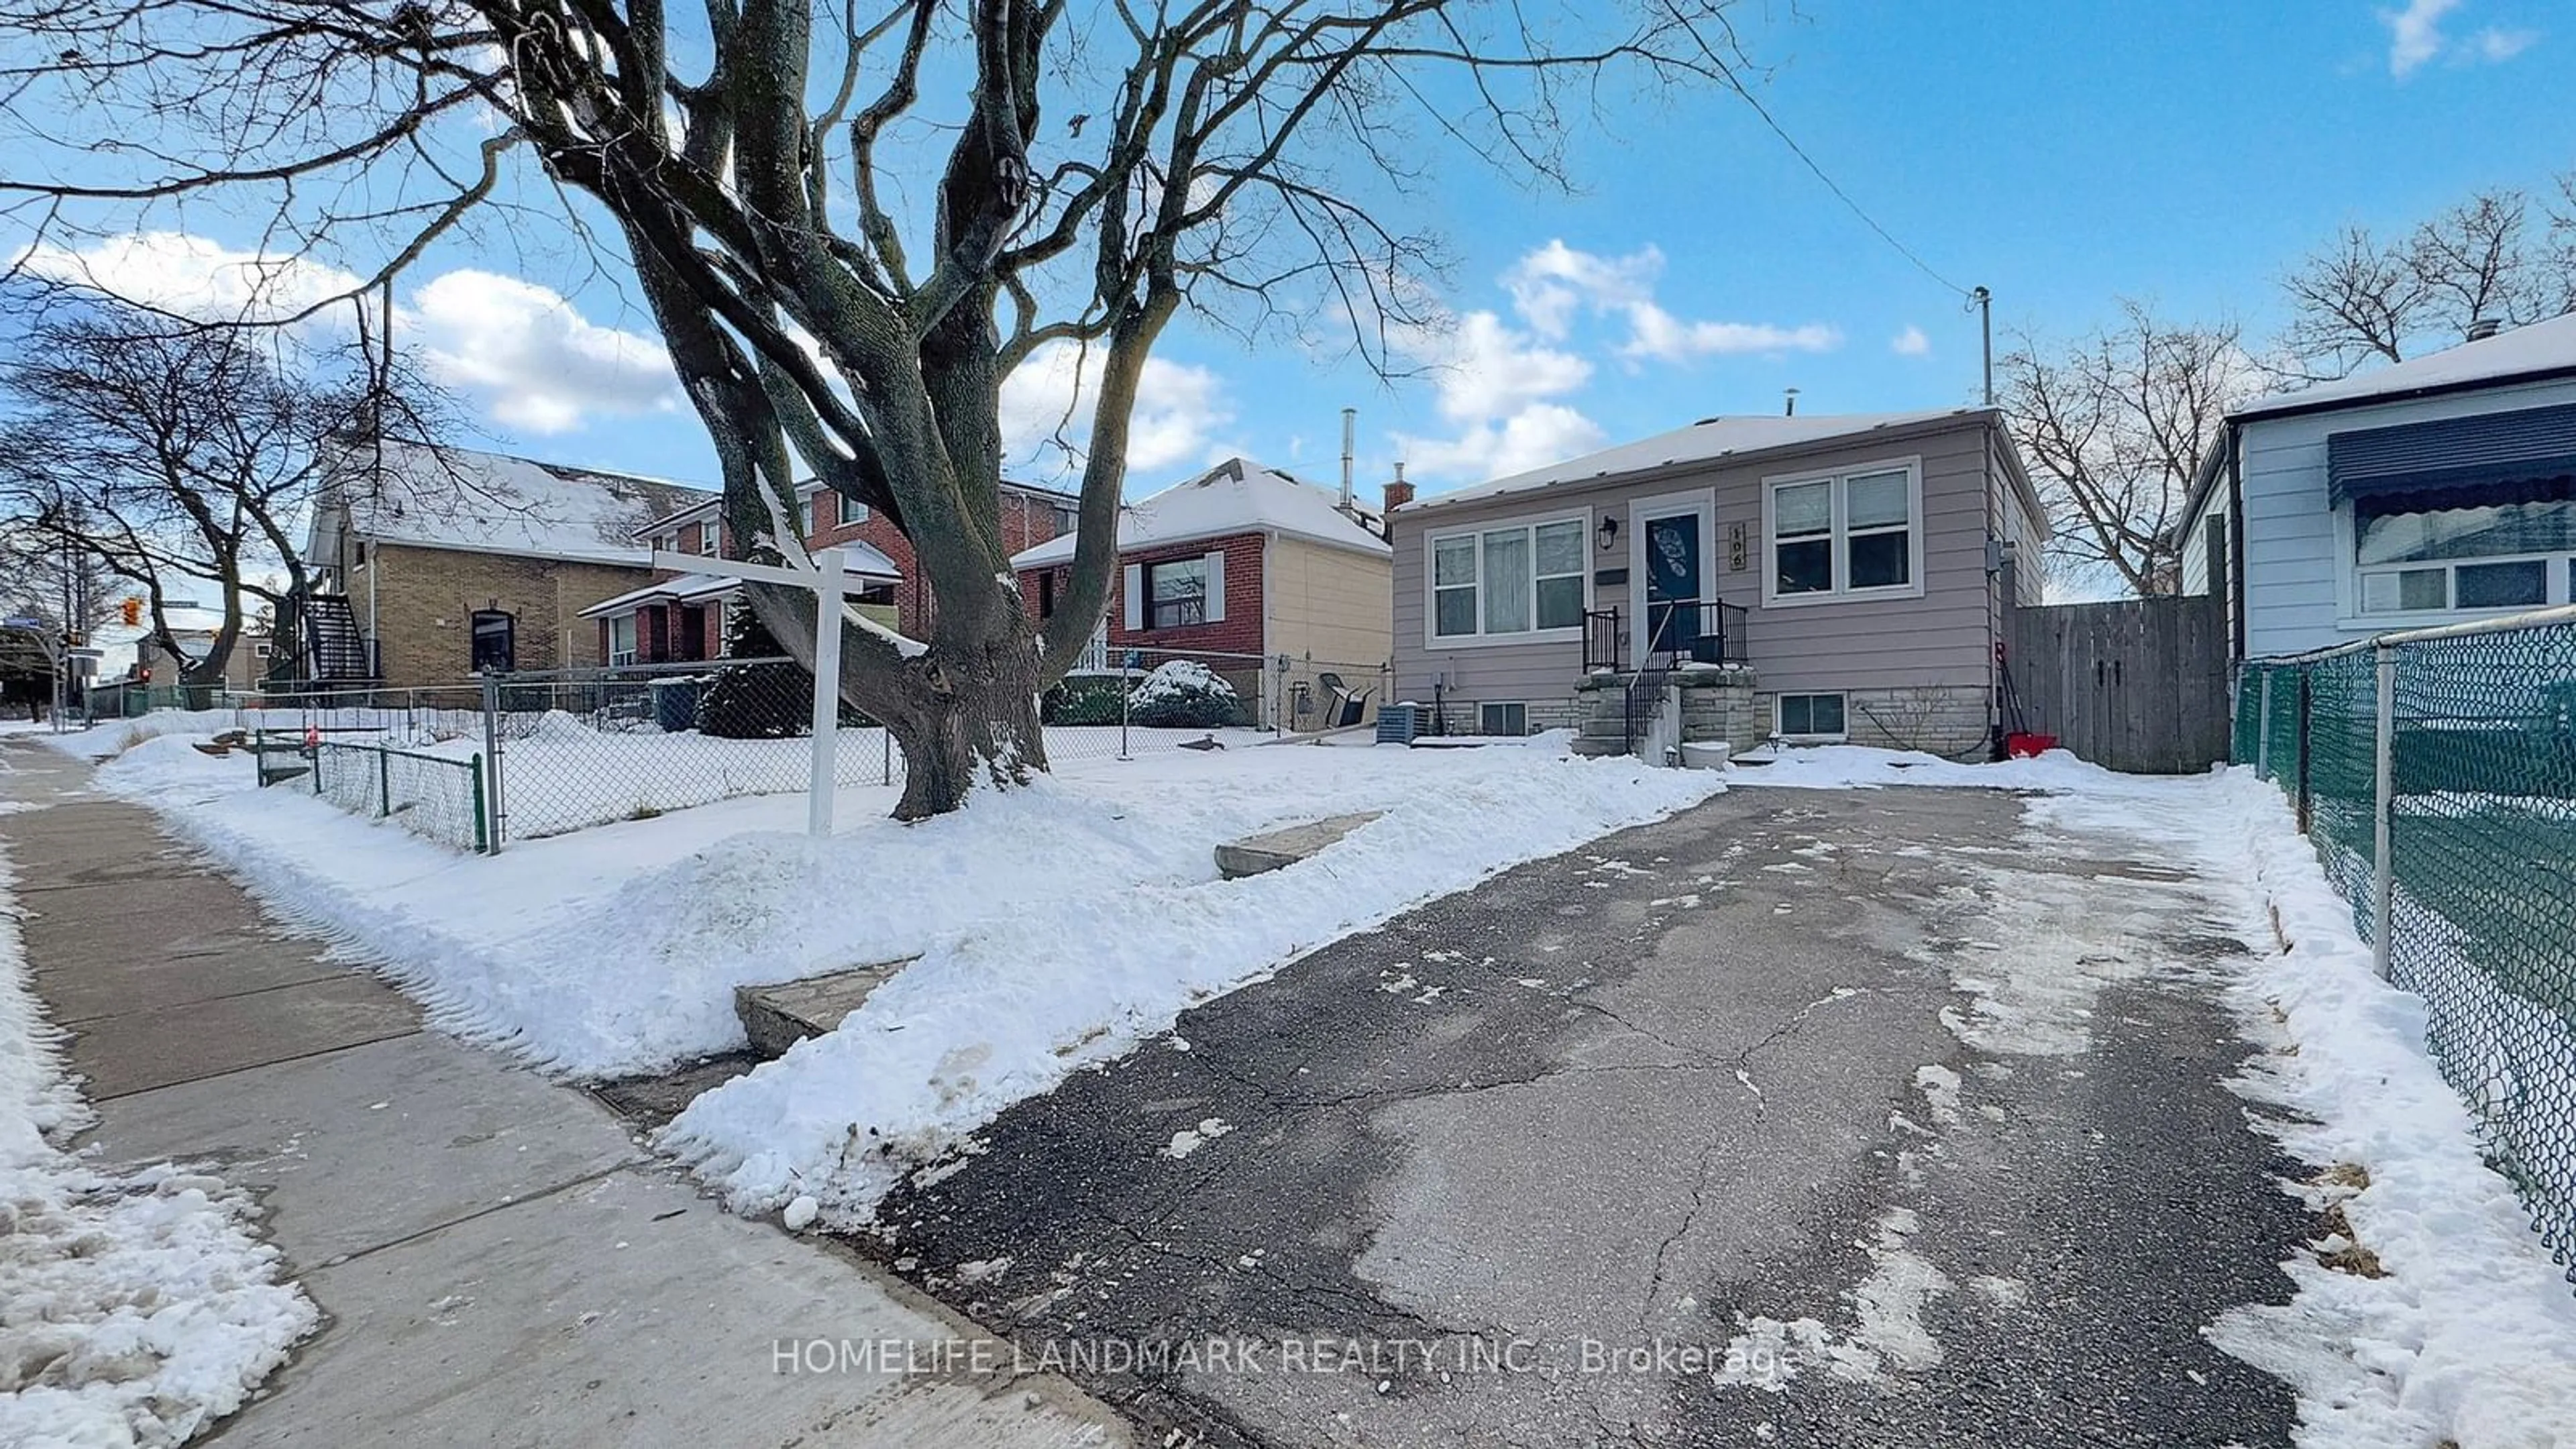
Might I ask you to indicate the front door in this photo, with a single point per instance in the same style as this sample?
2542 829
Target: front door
1673 578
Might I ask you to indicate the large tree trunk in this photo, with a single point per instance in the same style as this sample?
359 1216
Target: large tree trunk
964 714
981 728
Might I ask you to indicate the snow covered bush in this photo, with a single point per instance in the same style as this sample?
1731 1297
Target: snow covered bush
1184 694
1083 699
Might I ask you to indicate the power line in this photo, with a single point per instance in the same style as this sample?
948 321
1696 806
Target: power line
1836 188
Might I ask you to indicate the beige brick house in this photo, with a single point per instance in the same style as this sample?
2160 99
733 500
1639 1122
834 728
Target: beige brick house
407 552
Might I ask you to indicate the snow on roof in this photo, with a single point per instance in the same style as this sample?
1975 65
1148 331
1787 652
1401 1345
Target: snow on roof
1703 441
863 563
1235 496
444 497
2541 347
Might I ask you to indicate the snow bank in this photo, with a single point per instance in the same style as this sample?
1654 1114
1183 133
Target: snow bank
2471 1336
139 1307
618 949
1008 1007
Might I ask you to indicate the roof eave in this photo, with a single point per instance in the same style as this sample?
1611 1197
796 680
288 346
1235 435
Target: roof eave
2256 413
1685 467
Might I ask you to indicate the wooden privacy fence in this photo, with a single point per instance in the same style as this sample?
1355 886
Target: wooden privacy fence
2138 685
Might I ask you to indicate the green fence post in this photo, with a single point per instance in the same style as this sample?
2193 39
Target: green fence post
2307 720
482 834
384 782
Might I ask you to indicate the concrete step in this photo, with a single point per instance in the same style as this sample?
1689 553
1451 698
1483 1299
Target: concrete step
1596 749
778 1017
1273 849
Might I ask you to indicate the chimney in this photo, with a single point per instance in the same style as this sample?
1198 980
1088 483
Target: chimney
2482 328
1399 492
1789 399
1350 429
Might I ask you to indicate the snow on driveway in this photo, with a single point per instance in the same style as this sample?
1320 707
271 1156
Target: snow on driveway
138 1308
2470 1337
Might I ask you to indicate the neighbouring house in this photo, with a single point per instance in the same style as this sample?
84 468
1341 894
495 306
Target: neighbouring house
897 595
1811 577
2425 492
243 668
410 551
1268 581
681 616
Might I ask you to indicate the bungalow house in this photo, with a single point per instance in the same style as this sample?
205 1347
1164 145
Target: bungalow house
1268 581
1812 577
2426 492
896 594
415 548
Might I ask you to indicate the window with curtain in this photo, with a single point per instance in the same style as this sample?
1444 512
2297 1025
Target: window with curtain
1523 579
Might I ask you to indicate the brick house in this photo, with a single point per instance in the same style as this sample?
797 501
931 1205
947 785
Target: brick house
409 545
895 594
1266 580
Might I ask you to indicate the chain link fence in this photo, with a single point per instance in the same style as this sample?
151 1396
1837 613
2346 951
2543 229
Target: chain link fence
429 795
2450 754
557 751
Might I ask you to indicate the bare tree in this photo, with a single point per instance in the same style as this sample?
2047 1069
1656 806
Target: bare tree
2113 424
852 221
2498 257
177 459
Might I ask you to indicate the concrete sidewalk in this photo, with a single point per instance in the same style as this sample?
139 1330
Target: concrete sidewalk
498 1261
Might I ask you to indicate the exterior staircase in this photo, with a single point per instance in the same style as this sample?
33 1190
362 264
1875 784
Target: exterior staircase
333 648
1652 713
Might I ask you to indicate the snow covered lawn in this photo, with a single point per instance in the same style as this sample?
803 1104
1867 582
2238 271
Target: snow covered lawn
135 1308
1055 927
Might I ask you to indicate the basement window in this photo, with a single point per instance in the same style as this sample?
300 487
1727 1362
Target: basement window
1502 719
1811 717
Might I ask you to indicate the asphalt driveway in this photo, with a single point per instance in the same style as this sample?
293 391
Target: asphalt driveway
1850 1118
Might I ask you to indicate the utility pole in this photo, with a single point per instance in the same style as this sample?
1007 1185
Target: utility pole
1984 302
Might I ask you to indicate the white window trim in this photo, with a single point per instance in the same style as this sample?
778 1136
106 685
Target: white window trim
1780 731
1842 593
2350 617
1434 640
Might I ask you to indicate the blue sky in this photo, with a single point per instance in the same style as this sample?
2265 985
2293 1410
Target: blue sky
2064 155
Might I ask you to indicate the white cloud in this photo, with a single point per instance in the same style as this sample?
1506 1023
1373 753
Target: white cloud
1532 437
1550 284
191 276
1484 369
525 352
1496 383
2415 39
1179 408
1659 335
1910 343
2495 43
1553 283
536 361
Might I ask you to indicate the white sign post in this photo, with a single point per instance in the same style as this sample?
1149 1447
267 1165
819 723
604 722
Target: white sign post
828 583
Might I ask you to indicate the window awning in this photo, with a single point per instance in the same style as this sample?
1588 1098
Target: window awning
2525 455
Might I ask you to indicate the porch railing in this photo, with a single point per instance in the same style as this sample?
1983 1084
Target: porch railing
1605 641
1679 631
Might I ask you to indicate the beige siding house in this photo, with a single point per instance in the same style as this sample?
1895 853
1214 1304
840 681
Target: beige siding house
1846 573
1279 586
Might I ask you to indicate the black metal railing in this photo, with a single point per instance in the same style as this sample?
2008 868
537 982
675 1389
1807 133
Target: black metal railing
1694 631
1605 641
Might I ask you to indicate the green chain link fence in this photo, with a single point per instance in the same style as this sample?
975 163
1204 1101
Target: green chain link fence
437 796
2481 819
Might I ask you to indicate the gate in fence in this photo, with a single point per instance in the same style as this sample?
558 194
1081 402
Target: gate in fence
2138 685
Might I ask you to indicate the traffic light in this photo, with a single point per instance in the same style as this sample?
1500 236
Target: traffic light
133 612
